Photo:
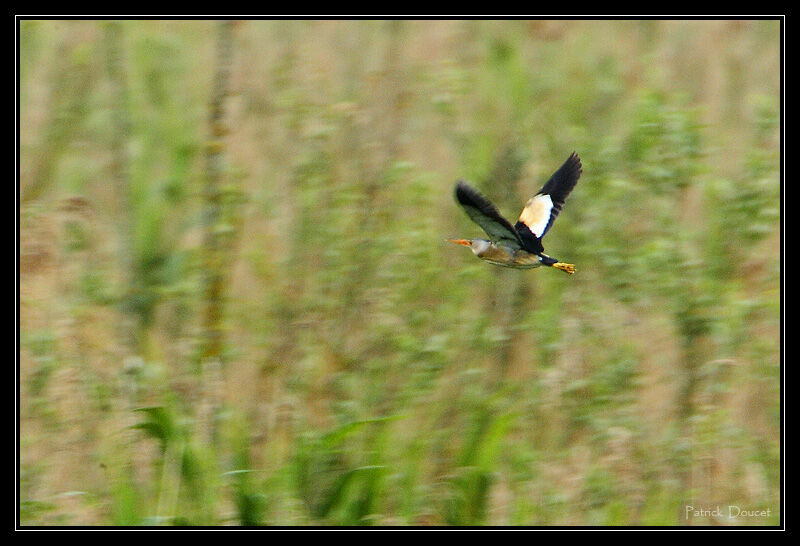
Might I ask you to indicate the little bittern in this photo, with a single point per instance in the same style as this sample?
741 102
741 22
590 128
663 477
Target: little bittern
519 246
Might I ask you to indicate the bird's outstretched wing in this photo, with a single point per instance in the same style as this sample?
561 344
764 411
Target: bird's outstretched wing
542 209
486 215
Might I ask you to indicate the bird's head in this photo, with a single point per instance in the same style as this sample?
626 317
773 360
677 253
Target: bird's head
478 246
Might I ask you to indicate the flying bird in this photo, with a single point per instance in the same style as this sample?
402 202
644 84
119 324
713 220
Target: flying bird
519 246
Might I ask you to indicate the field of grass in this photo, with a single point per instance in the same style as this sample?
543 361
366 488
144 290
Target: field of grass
237 305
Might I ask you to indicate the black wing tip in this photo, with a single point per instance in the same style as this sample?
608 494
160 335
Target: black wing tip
461 185
465 193
564 179
561 184
575 161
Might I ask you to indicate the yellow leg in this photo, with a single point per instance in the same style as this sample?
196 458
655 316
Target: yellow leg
566 268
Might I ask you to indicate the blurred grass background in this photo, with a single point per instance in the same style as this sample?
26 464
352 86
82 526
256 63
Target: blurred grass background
267 327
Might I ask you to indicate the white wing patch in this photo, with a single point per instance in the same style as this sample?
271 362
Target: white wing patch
536 213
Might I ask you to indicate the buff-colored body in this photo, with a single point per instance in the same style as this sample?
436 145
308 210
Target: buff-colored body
518 259
509 257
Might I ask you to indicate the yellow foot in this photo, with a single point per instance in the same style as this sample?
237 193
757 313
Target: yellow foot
566 268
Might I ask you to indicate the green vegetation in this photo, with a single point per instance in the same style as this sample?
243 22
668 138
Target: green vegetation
251 316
